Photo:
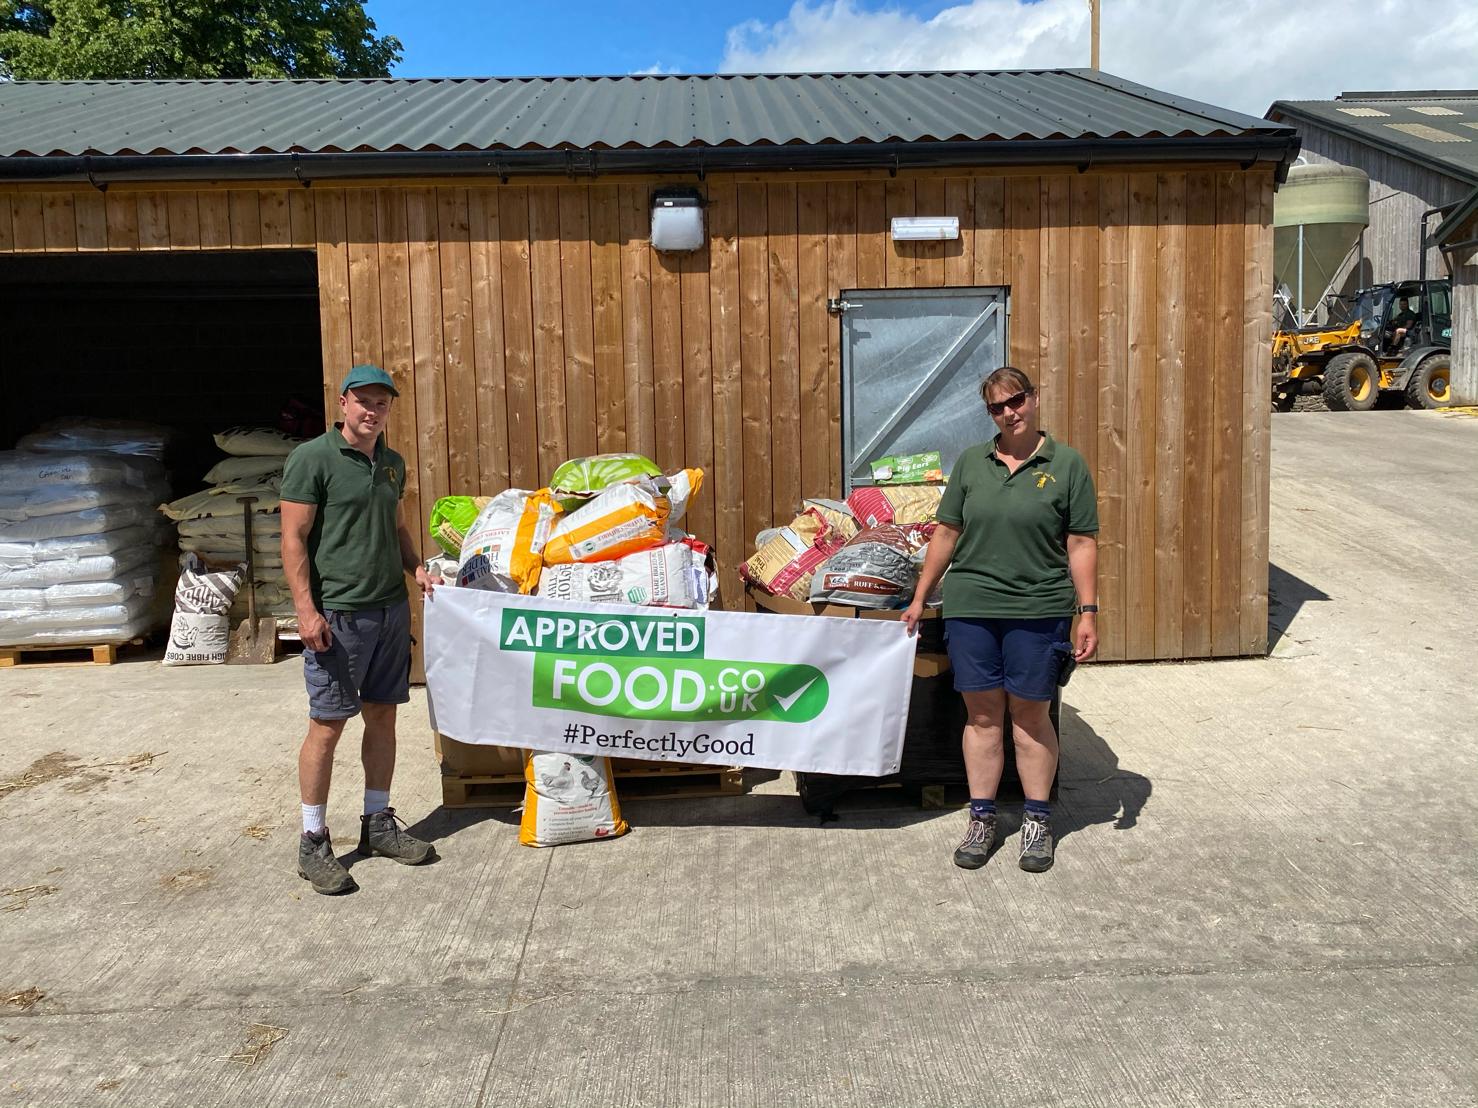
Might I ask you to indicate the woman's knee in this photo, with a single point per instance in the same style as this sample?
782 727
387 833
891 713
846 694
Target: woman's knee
1031 719
985 709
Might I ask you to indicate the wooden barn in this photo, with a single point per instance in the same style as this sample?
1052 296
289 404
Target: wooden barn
869 246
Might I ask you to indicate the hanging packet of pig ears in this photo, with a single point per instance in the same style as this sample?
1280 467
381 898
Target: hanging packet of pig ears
502 550
568 799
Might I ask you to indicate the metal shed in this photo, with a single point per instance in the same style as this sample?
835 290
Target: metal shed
488 242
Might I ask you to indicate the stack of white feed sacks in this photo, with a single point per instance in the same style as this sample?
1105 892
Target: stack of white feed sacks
80 544
212 521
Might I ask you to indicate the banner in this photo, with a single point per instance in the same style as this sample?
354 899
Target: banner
807 693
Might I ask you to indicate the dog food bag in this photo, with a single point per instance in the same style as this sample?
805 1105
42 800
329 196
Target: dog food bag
581 479
838 516
568 799
908 469
662 577
201 627
786 560
622 520
452 517
874 570
680 489
902 504
502 552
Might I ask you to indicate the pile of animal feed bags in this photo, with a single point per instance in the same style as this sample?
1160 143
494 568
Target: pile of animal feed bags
866 551
212 521
80 544
605 530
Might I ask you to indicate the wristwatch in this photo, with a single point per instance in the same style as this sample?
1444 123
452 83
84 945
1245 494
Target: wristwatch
1082 608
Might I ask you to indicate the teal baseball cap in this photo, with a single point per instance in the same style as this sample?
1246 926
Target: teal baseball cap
362 375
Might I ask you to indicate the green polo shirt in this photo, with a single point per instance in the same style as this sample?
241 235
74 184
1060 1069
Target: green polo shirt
1011 558
354 546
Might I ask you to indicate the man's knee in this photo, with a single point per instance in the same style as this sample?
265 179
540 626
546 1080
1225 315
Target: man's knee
378 715
325 731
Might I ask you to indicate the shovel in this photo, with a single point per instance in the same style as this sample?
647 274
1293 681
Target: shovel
254 642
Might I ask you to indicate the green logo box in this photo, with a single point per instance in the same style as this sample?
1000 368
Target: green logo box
603 634
683 690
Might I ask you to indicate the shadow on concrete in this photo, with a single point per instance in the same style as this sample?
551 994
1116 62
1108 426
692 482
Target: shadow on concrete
442 823
1091 786
1286 595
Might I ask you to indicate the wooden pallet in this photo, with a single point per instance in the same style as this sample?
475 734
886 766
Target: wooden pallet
634 781
103 654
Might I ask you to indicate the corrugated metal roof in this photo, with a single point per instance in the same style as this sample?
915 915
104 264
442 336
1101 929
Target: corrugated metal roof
1437 129
41 118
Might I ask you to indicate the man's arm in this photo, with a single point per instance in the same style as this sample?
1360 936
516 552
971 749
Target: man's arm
410 557
297 522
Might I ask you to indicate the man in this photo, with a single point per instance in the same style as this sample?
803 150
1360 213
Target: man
346 549
1400 323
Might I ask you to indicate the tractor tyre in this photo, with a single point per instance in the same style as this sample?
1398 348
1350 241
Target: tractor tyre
1285 400
1429 385
1351 382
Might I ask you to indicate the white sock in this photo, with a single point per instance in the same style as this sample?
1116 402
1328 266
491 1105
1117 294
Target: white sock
376 800
314 818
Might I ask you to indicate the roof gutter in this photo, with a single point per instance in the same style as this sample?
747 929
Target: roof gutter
1275 150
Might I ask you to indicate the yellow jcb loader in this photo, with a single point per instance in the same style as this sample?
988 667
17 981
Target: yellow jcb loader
1395 339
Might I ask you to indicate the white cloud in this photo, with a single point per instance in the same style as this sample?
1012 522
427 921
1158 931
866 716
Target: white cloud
656 70
1241 55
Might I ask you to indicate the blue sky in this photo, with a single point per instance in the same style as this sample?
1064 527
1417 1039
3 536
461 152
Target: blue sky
462 38
1241 55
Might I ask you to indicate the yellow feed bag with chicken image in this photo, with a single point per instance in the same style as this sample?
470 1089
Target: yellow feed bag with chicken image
622 520
568 799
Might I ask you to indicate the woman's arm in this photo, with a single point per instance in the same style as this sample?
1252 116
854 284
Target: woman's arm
1082 563
936 561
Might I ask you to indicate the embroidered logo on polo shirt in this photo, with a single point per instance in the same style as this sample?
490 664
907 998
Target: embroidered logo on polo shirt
1043 477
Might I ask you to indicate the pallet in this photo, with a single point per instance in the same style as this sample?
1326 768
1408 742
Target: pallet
634 781
103 654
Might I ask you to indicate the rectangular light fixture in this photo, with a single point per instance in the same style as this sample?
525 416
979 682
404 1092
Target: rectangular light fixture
915 228
677 220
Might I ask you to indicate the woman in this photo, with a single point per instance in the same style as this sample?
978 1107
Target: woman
1017 529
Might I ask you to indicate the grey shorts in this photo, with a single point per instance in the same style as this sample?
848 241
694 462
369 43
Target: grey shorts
368 662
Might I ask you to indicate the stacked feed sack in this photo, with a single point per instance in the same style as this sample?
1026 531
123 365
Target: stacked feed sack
79 546
212 522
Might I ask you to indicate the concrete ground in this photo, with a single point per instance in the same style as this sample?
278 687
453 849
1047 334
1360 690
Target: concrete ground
1265 892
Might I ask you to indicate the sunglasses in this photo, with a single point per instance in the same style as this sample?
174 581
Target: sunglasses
995 408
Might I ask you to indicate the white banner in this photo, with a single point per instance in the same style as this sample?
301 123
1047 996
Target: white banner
808 693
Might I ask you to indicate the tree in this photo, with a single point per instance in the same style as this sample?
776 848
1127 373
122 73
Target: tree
173 39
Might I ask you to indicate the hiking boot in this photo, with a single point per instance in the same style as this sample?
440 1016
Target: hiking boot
1036 843
318 866
980 836
380 833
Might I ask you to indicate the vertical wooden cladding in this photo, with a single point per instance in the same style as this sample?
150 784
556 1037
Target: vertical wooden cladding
157 220
525 324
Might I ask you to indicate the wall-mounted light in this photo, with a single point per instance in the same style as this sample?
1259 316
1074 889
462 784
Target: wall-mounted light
914 228
677 220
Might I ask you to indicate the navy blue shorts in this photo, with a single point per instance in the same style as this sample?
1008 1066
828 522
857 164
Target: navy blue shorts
1022 655
368 662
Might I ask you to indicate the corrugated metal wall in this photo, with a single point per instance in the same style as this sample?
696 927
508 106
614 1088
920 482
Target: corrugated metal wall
1400 191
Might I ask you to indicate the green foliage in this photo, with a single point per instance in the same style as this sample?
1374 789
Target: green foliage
164 39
